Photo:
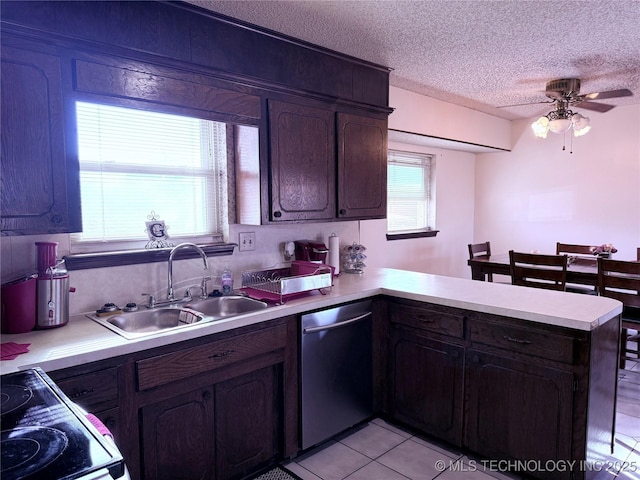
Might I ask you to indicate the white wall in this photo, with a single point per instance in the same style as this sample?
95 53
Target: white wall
428 116
538 194
446 253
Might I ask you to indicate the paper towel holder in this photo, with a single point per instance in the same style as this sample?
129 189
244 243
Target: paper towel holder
289 250
334 253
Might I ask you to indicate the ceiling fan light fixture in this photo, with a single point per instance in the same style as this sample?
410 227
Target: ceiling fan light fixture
541 127
580 124
581 131
559 125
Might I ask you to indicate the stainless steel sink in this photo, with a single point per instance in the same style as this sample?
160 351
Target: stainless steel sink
227 306
148 322
155 320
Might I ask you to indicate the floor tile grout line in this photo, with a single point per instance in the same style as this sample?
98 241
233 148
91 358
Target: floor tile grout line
375 458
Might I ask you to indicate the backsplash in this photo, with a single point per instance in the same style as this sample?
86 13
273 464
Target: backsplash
120 285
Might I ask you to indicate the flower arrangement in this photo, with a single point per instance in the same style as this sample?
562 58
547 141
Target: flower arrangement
604 250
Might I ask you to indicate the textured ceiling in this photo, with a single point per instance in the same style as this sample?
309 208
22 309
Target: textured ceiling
478 54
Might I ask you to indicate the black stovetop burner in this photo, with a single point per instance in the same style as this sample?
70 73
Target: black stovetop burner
44 437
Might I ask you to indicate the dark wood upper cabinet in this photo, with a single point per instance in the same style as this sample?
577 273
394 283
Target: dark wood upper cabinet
324 165
325 136
189 34
362 167
36 197
302 154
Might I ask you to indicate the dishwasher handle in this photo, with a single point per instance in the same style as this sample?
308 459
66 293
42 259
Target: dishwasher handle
331 326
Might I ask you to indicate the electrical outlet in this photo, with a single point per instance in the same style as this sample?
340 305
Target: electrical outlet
247 241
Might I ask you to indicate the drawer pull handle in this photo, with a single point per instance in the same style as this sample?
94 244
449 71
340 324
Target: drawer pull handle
426 319
221 354
515 340
82 393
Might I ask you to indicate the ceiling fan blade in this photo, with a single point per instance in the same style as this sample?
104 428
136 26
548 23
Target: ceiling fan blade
597 107
623 92
524 104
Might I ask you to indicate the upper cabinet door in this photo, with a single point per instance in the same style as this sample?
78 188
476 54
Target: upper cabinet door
362 167
302 162
34 166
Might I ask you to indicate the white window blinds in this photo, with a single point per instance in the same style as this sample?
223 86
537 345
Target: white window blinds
408 192
133 162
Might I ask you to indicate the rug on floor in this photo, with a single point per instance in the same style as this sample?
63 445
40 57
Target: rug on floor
278 473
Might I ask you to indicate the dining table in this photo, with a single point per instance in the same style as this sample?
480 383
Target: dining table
581 270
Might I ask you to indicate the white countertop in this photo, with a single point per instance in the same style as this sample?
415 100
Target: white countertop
83 340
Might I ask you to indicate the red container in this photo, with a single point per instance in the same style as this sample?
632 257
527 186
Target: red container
18 305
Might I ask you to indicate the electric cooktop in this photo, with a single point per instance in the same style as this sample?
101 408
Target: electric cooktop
44 436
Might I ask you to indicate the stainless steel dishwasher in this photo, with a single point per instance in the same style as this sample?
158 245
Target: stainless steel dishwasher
336 373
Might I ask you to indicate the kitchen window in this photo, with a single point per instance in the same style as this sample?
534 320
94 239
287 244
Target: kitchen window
409 195
135 164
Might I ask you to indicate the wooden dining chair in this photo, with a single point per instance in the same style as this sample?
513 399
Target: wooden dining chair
620 279
577 250
573 249
481 250
538 270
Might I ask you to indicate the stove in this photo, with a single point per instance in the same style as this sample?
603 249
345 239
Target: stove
45 436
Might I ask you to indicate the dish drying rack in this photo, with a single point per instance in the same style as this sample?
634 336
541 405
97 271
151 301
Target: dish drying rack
278 285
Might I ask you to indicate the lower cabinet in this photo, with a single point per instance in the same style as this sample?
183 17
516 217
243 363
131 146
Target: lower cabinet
215 410
225 431
503 388
518 410
220 407
95 387
247 422
426 379
178 437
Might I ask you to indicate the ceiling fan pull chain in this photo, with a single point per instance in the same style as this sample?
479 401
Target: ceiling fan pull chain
571 143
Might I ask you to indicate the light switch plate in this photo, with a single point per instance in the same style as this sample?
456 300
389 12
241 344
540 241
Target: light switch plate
247 241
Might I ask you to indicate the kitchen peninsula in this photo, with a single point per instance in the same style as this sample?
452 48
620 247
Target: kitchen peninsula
502 371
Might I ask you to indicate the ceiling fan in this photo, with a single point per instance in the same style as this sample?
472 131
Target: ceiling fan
565 92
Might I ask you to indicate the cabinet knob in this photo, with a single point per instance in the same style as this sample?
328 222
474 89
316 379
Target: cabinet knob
206 395
277 214
475 359
343 211
455 354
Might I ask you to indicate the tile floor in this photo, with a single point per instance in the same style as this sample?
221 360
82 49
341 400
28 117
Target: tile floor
380 451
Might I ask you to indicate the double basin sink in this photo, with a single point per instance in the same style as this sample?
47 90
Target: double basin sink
155 320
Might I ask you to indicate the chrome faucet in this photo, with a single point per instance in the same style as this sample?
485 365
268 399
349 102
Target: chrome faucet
170 297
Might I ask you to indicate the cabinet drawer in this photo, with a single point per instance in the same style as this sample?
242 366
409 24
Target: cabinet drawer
436 321
92 388
174 366
528 341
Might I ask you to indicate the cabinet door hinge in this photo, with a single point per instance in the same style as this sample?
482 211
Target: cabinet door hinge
575 385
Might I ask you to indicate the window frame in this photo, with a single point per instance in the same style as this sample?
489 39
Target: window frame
429 230
131 253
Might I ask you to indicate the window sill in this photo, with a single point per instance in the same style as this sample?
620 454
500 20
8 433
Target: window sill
404 236
133 257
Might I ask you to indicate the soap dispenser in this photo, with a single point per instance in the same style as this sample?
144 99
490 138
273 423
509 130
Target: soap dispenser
227 280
